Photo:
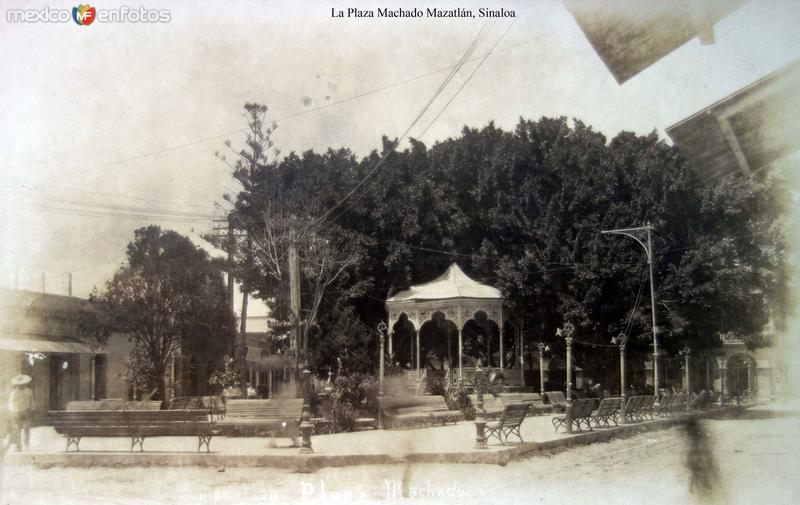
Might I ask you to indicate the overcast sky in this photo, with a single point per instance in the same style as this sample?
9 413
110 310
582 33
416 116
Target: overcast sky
130 115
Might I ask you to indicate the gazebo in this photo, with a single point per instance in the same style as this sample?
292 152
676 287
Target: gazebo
457 297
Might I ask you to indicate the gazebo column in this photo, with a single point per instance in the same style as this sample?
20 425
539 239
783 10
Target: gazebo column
418 349
502 354
390 342
460 355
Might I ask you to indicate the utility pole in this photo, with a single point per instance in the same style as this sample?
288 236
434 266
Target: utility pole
294 294
231 280
641 234
69 285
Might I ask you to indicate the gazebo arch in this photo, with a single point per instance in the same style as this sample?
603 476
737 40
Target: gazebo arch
453 294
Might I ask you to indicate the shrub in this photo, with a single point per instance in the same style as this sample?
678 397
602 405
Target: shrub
351 395
457 399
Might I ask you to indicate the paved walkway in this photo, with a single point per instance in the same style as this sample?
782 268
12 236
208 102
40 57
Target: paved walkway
452 443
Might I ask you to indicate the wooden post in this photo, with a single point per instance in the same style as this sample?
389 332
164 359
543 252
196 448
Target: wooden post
294 293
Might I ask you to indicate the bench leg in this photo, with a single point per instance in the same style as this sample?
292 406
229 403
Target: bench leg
73 441
136 440
203 440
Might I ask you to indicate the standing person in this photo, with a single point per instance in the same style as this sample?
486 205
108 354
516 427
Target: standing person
20 406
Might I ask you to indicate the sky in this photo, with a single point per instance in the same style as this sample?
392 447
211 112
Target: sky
127 117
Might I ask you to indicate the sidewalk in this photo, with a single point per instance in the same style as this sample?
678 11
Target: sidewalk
451 444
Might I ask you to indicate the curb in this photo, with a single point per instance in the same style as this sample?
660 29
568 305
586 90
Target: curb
303 463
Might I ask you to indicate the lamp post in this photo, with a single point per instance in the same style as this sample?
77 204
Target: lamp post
566 332
381 331
621 340
542 349
687 377
641 234
305 425
481 386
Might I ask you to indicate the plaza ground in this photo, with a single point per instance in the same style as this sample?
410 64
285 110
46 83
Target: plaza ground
755 456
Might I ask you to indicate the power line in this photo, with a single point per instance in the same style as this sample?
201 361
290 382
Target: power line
301 113
477 67
478 38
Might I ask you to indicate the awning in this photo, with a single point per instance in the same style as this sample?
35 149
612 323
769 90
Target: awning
53 346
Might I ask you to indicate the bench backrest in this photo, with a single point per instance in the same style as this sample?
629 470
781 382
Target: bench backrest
123 419
274 408
114 405
186 402
582 407
213 403
490 402
608 406
555 397
425 401
513 414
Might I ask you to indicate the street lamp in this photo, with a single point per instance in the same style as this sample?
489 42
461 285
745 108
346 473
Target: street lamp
641 234
621 340
542 349
381 332
566 332
685 353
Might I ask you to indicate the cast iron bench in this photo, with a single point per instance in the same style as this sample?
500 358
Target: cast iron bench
580 413
607 411
639 408
397 412
136 424
279 416
556 399
509 423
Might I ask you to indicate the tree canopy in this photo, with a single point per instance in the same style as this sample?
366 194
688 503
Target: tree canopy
170 299
522 210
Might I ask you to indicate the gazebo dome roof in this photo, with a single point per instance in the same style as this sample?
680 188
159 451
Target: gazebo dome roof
454 283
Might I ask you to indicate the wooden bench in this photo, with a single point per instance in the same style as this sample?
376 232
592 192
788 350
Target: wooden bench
278 416
114 405
493 405
509 423
556 399
406 411
607 412
136 424
579 413
534 401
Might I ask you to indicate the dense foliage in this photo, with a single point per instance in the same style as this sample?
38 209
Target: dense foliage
521 210
170 300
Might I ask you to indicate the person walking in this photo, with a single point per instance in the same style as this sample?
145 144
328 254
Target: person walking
20 407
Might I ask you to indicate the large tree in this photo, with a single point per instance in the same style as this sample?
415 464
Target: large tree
523 211
170 299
